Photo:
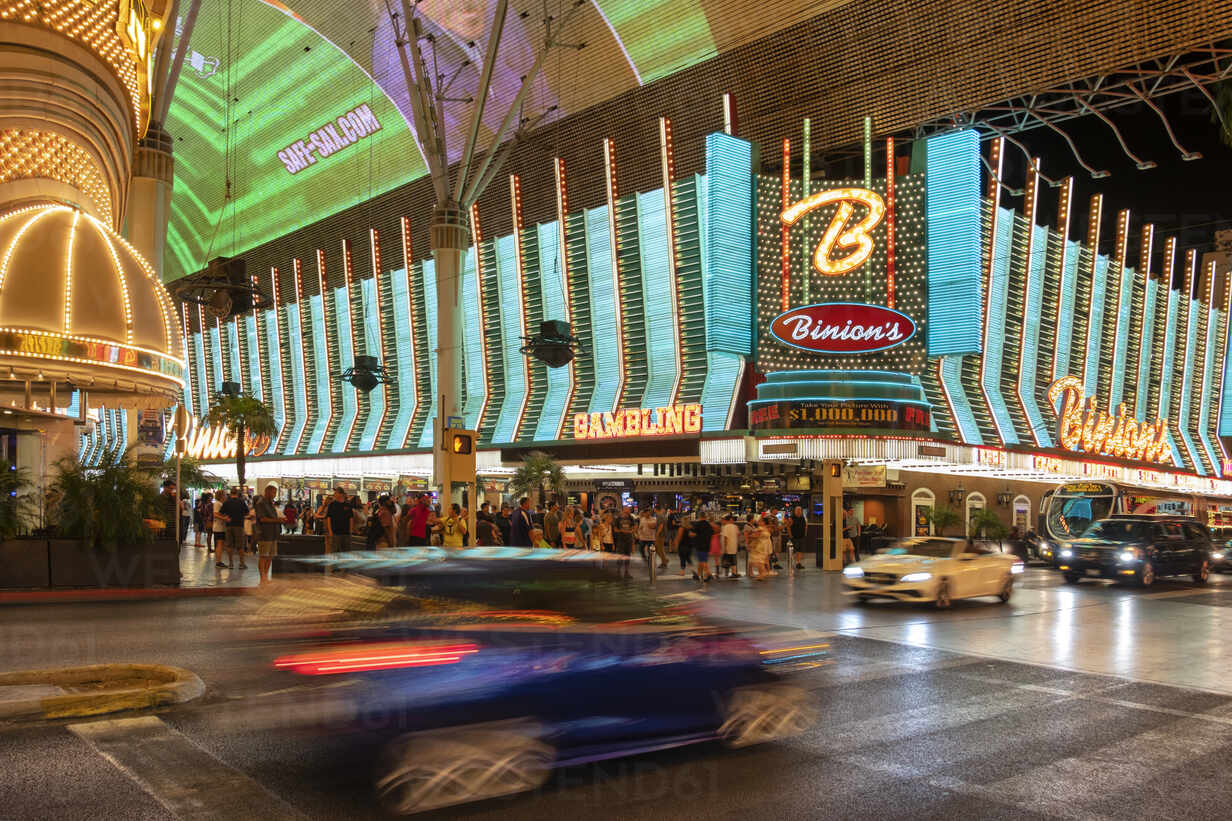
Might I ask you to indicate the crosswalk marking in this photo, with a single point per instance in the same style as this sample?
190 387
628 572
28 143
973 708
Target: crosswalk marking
188 781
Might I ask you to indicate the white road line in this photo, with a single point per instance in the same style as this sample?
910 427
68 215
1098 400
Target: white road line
188 781
844 671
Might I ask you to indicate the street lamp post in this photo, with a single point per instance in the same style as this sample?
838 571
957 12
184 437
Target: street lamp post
456 193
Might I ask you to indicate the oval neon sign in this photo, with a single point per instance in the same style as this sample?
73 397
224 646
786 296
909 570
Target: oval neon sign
842 328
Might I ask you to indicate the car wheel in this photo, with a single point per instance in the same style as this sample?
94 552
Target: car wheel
1007 589
1146 576
943 600
431 770
761 713
1072 578
1202 573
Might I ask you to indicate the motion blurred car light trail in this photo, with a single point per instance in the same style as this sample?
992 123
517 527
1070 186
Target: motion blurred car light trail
375 657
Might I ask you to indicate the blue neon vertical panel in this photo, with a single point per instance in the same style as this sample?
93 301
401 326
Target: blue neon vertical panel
1207 397
1069 295
994 353
398 285
372 344
1145 346
661 354
955 252
951 380
1030 351
346 359
605 340
552 282
203 379
254 357
476 377
216 347
275 371
1183 418
428 272
233 344
511 309
318 362
723 371
1120 346
1166 411
1095 328
728 243
299 392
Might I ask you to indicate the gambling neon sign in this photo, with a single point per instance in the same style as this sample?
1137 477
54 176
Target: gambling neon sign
639 422
854 238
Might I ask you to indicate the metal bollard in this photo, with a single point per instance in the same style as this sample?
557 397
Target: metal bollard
652 559
791 559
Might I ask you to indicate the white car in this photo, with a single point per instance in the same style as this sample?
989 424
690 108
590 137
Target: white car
933 569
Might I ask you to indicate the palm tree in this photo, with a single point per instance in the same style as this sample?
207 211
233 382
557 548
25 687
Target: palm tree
538 472
943 517
14 505
244 416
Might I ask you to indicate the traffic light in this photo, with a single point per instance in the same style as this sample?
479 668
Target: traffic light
461 455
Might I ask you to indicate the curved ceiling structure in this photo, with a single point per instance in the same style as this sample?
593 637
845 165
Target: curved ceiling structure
288 85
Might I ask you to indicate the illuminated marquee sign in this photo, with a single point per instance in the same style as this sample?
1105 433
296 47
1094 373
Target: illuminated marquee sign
857 238
330 138
840 414
140 29
842 328
639 422
1081 426
218 442
89 352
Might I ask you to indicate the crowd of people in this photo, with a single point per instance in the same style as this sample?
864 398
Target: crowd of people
232 526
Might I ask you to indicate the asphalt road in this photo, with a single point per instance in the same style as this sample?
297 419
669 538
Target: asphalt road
986 711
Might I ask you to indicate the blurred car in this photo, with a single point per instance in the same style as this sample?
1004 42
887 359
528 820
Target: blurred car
933 569
1138 547
478 671
1221 557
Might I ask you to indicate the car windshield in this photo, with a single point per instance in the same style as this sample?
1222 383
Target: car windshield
932 548
1069 516
1117 531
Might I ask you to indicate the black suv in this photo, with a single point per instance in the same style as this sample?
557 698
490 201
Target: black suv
1138 547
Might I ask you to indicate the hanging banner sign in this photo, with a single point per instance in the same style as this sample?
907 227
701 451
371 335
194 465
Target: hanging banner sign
1083 427
676 420
842 328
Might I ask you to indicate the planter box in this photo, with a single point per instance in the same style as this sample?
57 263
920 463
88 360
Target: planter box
297 545
24 563
76 564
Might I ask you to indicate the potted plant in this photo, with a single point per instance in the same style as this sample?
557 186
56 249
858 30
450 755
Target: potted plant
104 526
23 559
942 518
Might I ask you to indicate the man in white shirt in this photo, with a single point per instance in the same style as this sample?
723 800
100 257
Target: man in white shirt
729 538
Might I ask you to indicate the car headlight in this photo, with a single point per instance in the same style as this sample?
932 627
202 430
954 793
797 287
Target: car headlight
1018 567
916 577
853 572
1128 555
1067 554
1217 556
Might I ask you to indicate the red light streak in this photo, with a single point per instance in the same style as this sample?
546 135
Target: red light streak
375 657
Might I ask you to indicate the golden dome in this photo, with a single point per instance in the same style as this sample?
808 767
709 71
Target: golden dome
79 302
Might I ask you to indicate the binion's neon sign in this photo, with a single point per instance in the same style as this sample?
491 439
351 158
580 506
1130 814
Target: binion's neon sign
857 239
1082 426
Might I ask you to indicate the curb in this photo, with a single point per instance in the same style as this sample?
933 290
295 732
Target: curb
163 685
116 594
